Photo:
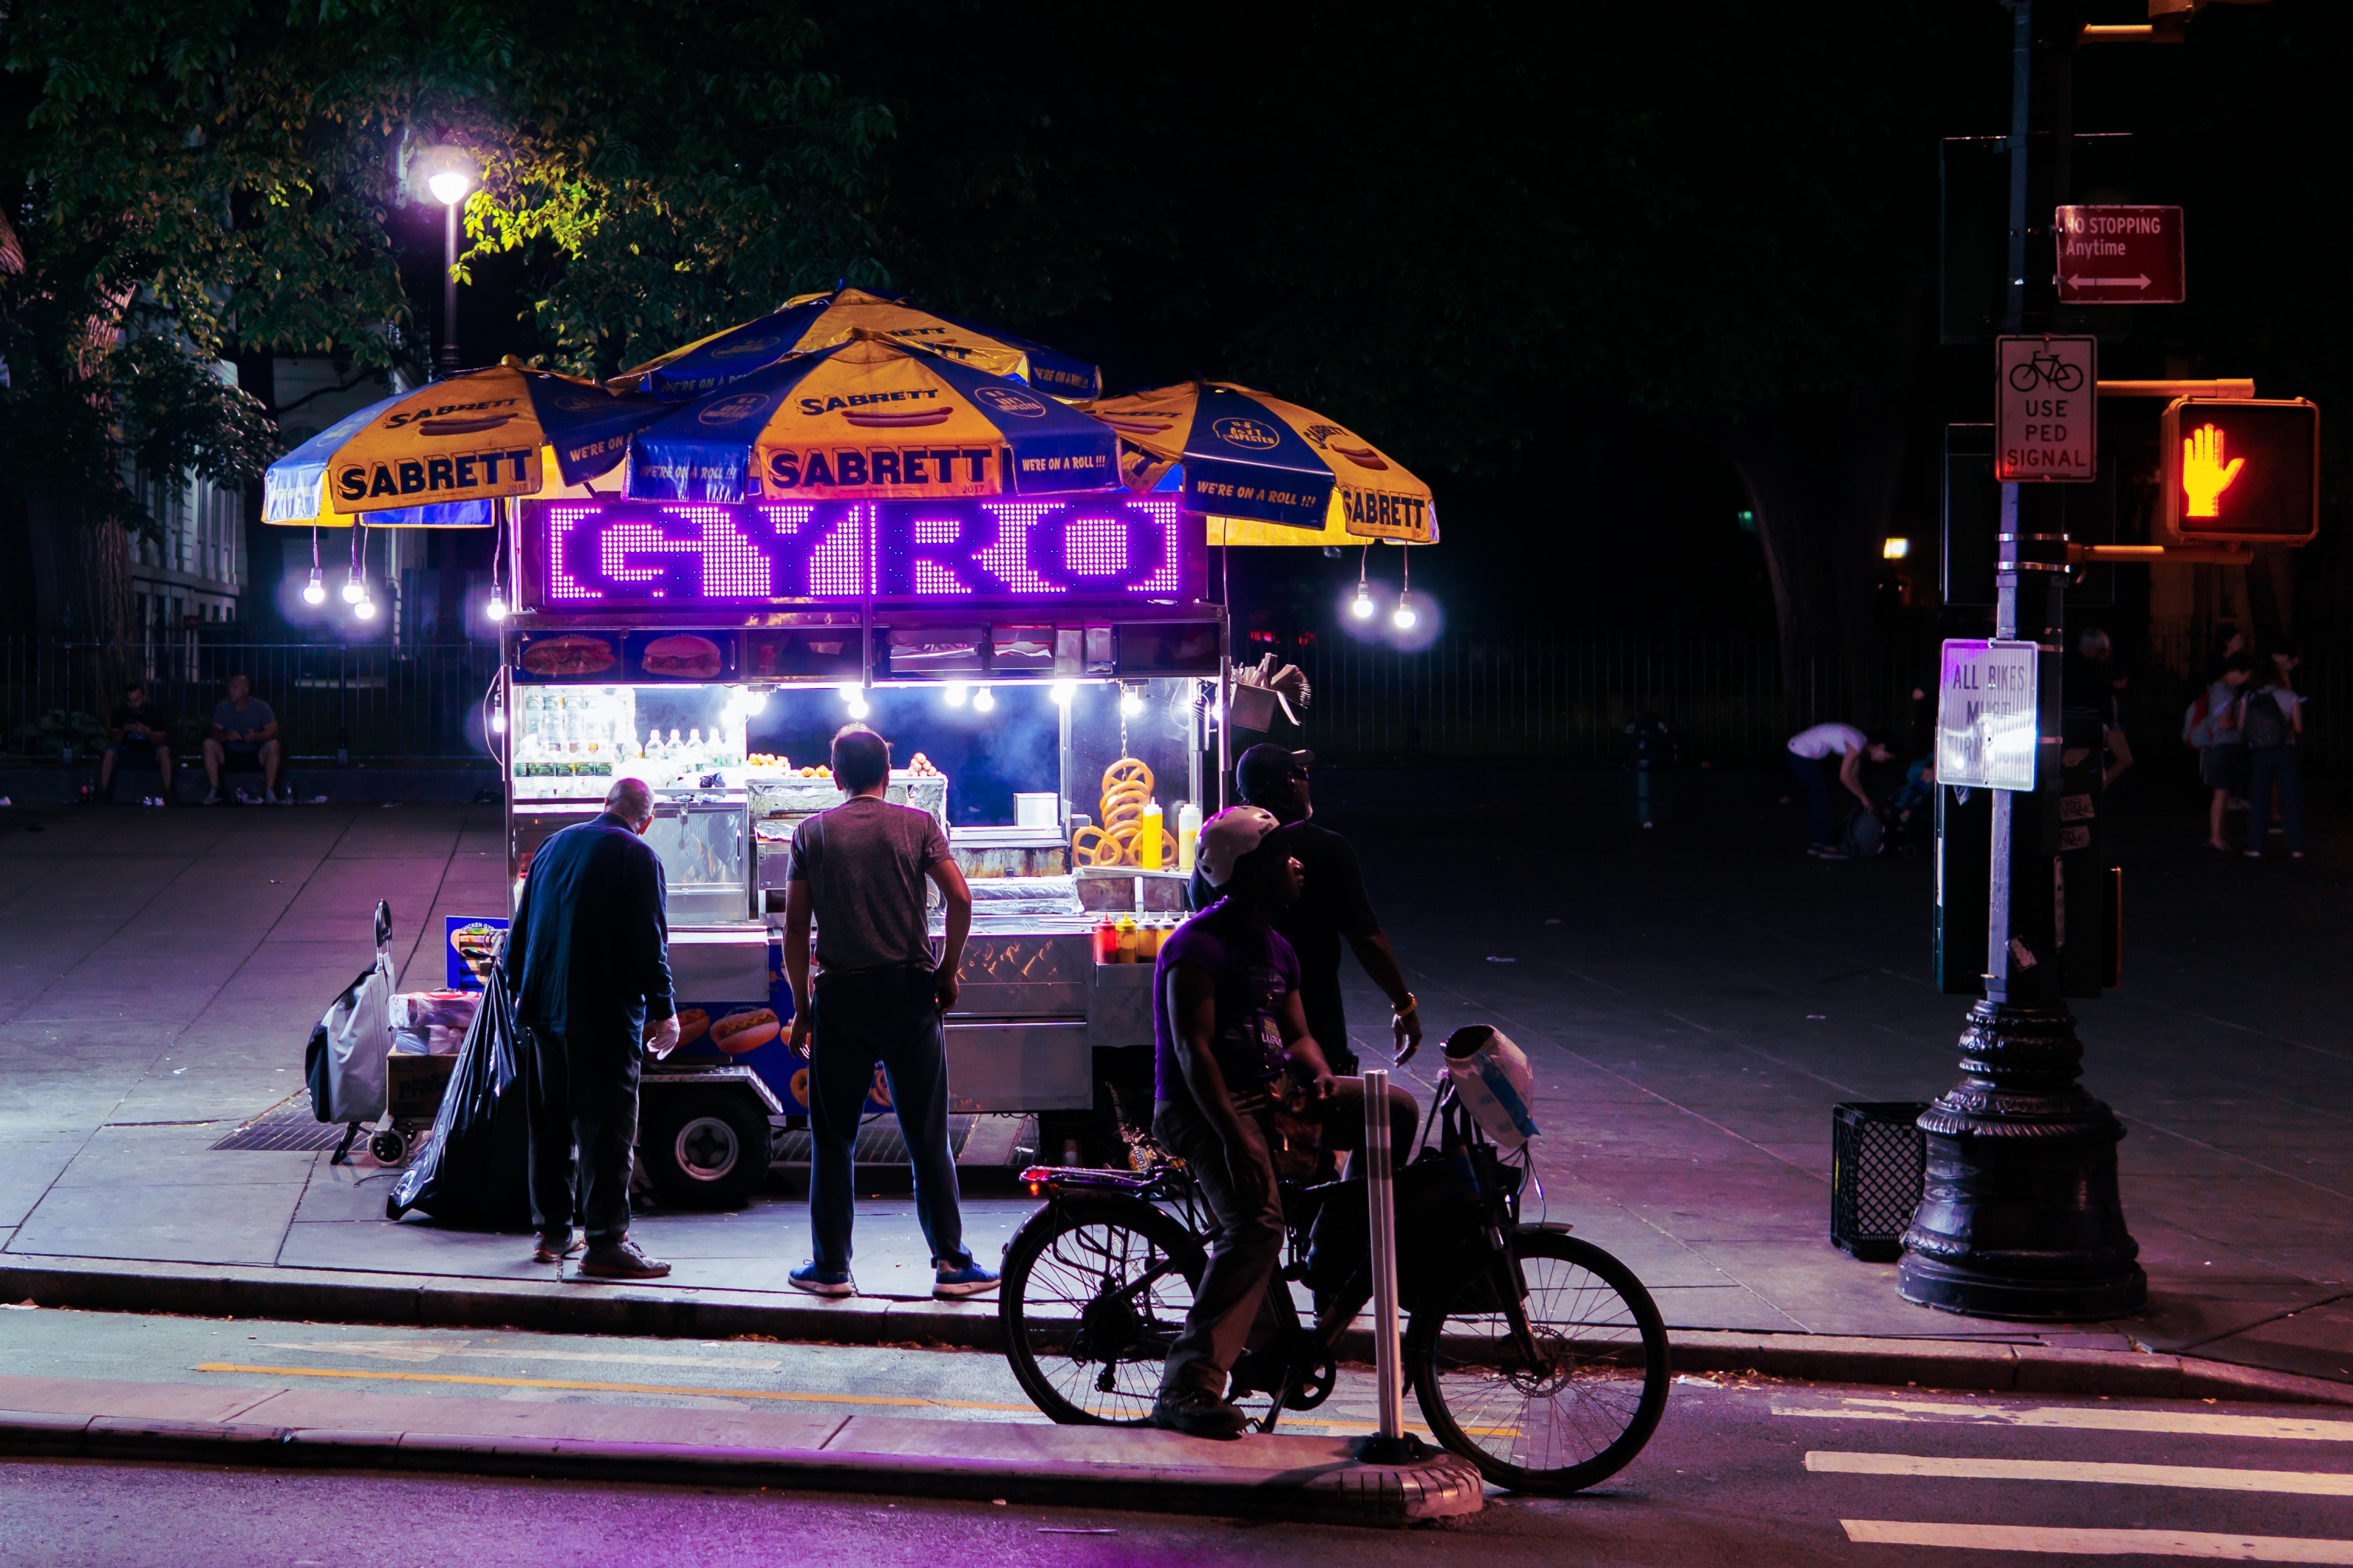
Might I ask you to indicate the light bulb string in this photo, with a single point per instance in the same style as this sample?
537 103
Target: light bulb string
314 550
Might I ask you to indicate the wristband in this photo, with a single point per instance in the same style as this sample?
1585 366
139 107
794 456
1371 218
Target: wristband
1411 1003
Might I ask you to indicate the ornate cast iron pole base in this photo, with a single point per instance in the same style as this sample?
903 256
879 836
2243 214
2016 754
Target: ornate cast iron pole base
2019 1215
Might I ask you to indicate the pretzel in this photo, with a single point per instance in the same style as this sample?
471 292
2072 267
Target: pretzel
1125 814
1126 770
1082 849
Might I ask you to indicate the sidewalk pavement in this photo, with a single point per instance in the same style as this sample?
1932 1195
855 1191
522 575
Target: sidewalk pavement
1694 998
1293 1477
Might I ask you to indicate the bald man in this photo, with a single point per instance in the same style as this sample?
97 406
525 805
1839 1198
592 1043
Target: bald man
587 959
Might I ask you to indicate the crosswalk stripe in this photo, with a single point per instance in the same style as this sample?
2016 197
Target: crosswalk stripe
2100 1542
2205 1423
2207 1478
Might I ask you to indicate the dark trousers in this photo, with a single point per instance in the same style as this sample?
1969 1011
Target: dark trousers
583 1097
1818 797
885 1017
2270 766
1246 1247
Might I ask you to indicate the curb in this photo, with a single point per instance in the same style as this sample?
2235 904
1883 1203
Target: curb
1342 1492
435 1301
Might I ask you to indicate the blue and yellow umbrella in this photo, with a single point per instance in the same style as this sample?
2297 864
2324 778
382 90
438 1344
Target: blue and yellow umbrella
444 455
1265 471
811 321
870 419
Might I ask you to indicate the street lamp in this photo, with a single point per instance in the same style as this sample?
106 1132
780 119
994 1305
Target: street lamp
448 174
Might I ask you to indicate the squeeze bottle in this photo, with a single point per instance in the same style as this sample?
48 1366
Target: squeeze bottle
1188 833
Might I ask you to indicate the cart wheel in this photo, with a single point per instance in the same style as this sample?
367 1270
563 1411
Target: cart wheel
389 1148
703 1148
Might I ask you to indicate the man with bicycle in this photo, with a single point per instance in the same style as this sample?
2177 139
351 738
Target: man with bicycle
1231 1048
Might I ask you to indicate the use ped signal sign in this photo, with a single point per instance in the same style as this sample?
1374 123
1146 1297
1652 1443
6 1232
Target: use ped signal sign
2048 420
2241 470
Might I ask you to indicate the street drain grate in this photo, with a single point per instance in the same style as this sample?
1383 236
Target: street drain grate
286 1127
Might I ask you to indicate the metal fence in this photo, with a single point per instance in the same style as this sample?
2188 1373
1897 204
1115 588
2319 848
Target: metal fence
1533 696
334 703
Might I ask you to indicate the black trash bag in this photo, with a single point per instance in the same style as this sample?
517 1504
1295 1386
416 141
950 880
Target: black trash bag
474 1167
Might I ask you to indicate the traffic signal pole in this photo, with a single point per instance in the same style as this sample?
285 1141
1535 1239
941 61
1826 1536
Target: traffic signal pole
2019 1215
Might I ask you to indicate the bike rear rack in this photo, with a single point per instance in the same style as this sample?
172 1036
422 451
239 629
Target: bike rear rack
1043 1181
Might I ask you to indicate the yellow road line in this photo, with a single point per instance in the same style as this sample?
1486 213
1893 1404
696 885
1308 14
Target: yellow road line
480 1382
2101 1542
476 1380
2310 1483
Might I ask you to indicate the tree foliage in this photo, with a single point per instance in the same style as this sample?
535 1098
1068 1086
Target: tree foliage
200 180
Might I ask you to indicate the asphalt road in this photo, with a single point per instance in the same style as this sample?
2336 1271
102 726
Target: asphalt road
1742 1470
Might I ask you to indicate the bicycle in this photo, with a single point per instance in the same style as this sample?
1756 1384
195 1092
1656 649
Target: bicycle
1532 1354
2051 368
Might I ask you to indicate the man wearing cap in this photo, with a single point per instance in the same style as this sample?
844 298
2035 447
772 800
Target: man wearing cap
1230 1039
1332 909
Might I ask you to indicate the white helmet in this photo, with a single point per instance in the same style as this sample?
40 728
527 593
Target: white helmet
1228 836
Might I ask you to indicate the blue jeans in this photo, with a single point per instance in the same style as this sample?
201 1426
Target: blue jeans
888 1017
1818 797
2269 764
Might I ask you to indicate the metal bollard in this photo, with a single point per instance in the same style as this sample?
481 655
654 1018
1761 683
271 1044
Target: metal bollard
1391 1445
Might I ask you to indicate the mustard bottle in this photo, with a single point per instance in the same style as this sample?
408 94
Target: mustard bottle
1128 938
1147 836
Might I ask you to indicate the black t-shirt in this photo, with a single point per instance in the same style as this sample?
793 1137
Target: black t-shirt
153 717
1331 907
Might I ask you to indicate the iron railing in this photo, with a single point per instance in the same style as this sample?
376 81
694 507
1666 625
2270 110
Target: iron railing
334 703
1520 697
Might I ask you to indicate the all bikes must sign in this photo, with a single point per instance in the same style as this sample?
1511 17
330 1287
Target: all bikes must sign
1986 732
2048 420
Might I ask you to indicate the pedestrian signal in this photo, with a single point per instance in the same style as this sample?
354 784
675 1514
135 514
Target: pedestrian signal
2241 470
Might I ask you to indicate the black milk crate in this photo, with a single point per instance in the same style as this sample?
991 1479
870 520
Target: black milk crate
1876 1157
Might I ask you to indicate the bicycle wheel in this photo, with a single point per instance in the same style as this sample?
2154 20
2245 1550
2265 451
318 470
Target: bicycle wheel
1582 1407
1092 1295
2023 376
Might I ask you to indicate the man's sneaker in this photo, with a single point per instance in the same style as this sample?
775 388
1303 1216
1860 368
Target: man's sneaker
1197 1413
950 1280
818 1281
556 1245
622 1260
212 797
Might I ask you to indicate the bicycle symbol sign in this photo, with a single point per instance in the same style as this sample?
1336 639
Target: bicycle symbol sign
2048 420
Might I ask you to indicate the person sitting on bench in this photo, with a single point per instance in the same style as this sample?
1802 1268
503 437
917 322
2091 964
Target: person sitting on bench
140 738
243 739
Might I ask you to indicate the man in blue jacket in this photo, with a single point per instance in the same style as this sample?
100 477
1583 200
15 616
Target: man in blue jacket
587 959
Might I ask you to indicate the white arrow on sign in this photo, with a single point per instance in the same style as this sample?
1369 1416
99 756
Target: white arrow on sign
2075 282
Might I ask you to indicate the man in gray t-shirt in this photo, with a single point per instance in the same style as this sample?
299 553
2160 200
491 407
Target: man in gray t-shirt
859 870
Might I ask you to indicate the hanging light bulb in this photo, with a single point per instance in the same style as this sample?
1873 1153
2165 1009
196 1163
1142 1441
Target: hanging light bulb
982 701
1064 691
315 590
498 722
1362 608
858 708
497 608
955 693
851 692
1131 702
365 609
352 592
1403 617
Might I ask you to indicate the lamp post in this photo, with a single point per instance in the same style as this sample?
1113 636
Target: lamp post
2019 1215
447 175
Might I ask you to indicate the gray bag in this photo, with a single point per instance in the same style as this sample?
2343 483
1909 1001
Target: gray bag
344 1063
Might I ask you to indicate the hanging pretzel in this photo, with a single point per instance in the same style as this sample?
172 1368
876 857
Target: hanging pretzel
1125 771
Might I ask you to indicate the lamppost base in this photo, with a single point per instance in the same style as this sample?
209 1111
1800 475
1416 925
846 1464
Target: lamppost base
2019 1215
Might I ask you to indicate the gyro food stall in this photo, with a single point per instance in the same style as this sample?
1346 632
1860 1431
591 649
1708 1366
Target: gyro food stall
1043 657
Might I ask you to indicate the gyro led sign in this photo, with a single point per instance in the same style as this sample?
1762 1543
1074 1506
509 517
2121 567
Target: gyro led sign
594 555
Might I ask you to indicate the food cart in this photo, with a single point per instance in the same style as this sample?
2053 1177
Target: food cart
1048 670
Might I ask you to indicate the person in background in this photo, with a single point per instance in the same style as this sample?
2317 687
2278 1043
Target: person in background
1809 749
587 958
2087 681
142 738
2271 717
1230 1039
858 872
243 739
2222 757
1332 909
